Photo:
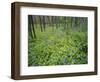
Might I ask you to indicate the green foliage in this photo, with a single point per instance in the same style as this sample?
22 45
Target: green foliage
57 47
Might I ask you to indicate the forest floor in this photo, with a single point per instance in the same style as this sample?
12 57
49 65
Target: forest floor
58 47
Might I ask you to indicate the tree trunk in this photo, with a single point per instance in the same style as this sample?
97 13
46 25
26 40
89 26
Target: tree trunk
29 27
32 27
41 23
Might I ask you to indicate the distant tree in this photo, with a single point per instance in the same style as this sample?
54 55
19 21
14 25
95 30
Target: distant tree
65 25
44 25
40 18
52 19
57 22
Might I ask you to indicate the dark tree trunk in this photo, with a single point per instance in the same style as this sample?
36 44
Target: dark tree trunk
52 19
57 22
41 23
64 22
29 26
33 29
44 22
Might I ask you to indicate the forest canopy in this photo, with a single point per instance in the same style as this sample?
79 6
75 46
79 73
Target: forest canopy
57 40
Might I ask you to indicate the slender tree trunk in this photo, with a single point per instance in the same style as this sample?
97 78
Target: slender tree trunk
44 22
57 25
41 23
29 27
64 23
32 26
52 18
